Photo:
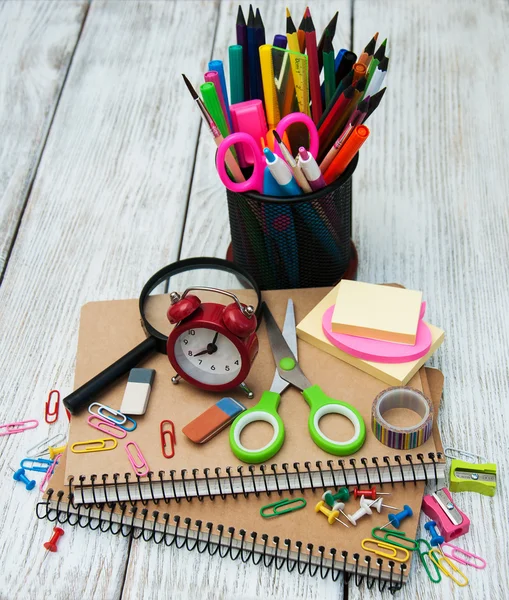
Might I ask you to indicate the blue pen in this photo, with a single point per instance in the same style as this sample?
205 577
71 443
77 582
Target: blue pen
338 58
282 174
217 65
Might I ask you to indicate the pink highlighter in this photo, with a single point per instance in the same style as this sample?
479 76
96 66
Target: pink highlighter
311 169
248 117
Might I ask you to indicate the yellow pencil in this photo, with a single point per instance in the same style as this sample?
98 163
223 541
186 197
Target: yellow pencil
269 87
291 34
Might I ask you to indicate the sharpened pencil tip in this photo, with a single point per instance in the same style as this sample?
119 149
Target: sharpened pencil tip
288 15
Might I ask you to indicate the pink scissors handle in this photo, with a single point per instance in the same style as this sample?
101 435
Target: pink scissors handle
293 118
255 182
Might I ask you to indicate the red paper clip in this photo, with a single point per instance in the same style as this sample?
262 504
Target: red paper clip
52 411
171 434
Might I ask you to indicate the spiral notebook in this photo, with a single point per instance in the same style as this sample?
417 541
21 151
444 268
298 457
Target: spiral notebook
109 329
302 541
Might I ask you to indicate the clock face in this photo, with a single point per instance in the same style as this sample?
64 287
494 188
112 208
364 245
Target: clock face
207 356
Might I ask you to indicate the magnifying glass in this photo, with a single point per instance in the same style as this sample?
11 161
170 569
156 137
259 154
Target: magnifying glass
153 304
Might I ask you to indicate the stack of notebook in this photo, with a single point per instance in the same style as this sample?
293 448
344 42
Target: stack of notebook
103 486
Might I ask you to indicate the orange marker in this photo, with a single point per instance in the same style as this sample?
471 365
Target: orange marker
358 136
359 70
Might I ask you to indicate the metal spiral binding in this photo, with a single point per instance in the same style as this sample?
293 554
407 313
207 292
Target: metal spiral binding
224 546
225 484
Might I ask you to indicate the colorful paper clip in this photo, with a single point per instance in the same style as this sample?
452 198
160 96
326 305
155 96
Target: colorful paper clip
394 550
42 448
18 427
289 504
424 556
141 467
94 445
110 414
49 473
468 477
123 425
399 535
51 412
36 464
106 427
449 573
170 433
457 554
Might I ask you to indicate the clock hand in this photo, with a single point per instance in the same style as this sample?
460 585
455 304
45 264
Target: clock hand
201 353
211 348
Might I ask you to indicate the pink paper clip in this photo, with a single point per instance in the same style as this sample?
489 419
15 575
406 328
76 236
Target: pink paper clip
49 473
18 427
459 551
107 427
51 412
170 434
141 467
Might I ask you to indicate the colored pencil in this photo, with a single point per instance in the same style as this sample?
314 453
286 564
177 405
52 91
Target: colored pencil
336 112
314 72
329 31
329 72
260 27
291 34
375 61
378 76
369 50
301 34
252 53
241 30
345 82
374 101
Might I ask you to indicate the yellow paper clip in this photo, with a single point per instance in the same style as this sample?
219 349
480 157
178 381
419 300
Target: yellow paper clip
444 570
94 445
394 550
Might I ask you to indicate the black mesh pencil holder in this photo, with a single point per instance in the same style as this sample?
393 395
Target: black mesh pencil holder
297 242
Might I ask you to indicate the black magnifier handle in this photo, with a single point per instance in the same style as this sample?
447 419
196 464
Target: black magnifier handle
84 395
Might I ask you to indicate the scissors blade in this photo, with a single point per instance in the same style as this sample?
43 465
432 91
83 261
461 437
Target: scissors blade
281 349
279 385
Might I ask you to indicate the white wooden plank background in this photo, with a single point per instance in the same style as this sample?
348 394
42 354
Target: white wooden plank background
108 204
37 40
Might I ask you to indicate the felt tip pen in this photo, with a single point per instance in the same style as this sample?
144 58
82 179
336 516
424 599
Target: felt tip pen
282 174
311 169
293 164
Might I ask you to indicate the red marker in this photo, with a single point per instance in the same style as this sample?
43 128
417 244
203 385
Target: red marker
311 170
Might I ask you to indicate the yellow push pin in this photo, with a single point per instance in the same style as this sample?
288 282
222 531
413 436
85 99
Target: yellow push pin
332 515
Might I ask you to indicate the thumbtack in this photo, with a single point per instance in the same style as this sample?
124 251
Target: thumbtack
55 451
51 545
342 495
332 515
395 520
340 506
19 475
363 510
378 504
436 538
371 493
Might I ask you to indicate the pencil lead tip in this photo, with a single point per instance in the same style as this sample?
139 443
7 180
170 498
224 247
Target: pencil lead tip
288 15
376 36
277 136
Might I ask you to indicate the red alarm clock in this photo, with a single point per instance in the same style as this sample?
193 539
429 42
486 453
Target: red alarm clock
212 346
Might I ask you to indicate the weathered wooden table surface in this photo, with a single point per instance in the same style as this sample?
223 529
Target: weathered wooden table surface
106 175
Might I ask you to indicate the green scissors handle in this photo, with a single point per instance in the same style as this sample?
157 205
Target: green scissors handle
321 405
264 410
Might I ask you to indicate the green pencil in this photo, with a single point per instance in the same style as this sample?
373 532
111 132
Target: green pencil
328 70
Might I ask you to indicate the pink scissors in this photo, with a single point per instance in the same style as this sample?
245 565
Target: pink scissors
298 118
255 182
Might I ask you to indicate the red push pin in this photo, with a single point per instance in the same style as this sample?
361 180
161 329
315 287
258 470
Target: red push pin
51 545
371 493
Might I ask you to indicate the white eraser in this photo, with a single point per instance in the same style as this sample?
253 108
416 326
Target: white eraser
137 391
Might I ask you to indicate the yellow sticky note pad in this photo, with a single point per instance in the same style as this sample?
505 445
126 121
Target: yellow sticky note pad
377 311
310 330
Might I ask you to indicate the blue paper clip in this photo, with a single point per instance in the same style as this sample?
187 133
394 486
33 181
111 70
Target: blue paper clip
36 464
123 425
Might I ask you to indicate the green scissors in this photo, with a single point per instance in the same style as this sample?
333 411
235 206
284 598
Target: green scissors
288 371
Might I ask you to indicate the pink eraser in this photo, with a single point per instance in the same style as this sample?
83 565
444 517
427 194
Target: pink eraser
440 507
248 117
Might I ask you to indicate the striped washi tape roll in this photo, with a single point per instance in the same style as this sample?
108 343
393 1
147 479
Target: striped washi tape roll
402 438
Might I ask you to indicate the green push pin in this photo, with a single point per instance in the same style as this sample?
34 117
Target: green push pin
341 495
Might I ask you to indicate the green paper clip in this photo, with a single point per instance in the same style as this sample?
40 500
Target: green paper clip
287 502
400 535
423 556
469 477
